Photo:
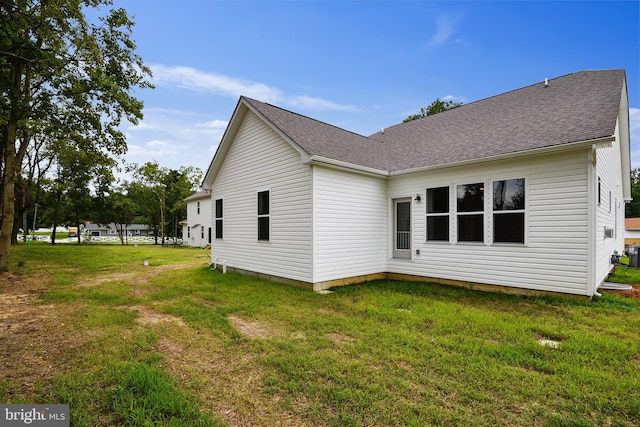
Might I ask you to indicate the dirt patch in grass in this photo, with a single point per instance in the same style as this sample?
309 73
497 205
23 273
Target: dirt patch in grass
251 329
146 316
228 382
140 276
633 293
34 338
340 338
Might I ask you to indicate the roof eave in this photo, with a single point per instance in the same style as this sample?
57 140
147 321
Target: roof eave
351 167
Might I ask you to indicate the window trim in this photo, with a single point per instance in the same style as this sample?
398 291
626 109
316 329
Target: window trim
219 219
481 212
263 215
446 214
524 212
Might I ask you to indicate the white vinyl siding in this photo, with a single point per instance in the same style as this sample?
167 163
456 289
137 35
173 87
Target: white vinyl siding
256 159
351 228
554 256
198 215
610 211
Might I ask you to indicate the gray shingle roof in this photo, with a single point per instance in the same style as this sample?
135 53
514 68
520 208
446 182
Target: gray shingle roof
576 107
321 139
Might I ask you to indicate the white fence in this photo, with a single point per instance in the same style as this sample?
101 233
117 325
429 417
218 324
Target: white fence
105 239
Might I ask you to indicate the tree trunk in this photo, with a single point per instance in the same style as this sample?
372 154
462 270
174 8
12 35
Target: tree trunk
8 195
56 210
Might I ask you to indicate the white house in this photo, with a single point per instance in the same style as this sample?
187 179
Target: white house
111 230
196 229
632 231
520 192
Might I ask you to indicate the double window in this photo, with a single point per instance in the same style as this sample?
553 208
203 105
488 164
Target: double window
219 219
263 215
505 216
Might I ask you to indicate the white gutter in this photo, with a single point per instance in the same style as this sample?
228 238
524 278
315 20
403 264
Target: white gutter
338 164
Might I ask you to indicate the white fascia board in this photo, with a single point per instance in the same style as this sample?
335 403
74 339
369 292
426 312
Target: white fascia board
598 142
625 141
337 164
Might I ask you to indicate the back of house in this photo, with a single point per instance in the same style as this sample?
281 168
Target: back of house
520 192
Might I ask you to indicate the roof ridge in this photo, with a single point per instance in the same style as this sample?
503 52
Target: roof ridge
498 95
252 100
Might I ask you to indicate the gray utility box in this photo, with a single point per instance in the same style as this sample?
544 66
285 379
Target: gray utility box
633 256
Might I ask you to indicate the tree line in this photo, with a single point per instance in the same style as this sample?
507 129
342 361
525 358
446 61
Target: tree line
68 71
153 196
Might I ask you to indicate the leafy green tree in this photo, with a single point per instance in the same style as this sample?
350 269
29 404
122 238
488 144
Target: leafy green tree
160 194
61 71
117 207
150 189
632 209
179 185
435 107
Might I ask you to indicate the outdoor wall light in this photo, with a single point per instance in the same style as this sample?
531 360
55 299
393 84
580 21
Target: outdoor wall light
417 198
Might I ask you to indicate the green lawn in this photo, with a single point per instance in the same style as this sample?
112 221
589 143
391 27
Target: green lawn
175 343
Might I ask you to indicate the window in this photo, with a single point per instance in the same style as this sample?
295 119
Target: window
188 232
202 231
219 219
599 191
263 215
470 209
508 211
438 214
198 208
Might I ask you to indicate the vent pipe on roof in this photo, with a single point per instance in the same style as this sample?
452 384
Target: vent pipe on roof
546 82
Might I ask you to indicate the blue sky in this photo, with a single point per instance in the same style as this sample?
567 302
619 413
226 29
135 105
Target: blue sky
359 65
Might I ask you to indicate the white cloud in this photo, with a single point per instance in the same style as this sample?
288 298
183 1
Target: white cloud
445 27
214 124
319 104
192 79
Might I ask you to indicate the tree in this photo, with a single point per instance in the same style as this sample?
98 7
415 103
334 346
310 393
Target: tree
62 71
116 207
149 189
435 107
179 185
632 210
160 194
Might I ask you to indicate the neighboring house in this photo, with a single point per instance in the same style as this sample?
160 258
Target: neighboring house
109 230
523 191
632 232
196 229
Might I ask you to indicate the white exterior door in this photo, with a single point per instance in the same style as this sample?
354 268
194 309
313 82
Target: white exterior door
402 228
